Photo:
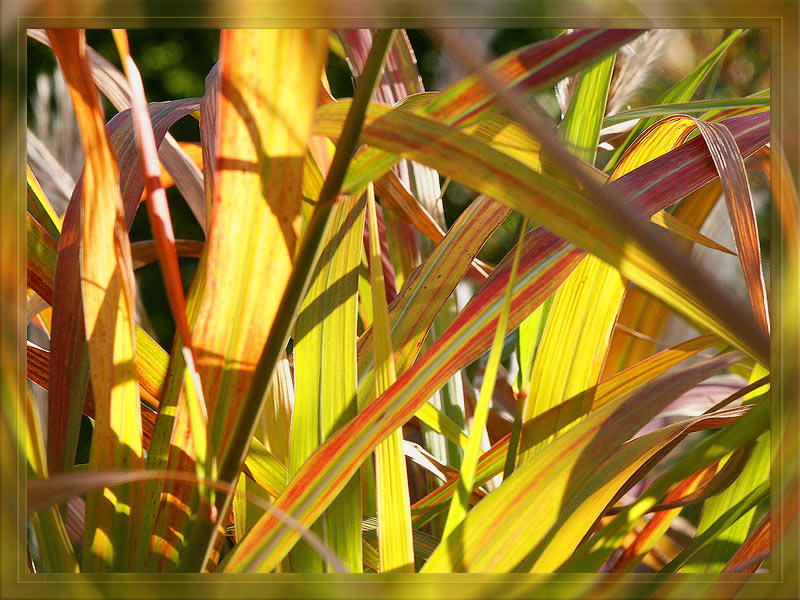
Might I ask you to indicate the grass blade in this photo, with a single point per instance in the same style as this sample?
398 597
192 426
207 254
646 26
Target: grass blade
395 545
107 291
604 392
69 364
593 553
325 371
578 473
666 109
460 502
580 129
730 164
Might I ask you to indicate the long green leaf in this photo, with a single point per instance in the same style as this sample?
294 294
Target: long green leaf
325 371
666 109
460 502
580 129
395 543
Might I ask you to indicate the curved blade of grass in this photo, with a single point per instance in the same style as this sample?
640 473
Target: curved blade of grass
261 147
728 161
680 92
730 164
42 493
578 473
591 225
663 110
685 169
593 553
325 371
460 502
106 286
395 545
491 463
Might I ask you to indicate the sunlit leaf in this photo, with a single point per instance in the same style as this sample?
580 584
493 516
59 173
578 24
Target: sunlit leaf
578 473
249 249
106 287
325 371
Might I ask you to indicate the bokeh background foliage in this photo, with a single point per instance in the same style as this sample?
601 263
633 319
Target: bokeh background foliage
174 64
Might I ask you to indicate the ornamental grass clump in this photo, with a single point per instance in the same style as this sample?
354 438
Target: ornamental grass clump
328 402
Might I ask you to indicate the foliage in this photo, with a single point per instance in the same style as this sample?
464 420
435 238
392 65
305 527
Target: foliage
317 409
